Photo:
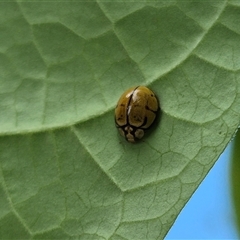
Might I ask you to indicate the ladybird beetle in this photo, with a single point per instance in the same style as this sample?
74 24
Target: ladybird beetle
135 112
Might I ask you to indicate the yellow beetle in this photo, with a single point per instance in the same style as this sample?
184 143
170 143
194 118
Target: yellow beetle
135 112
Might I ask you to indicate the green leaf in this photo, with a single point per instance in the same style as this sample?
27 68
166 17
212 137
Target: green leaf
236 178
64 170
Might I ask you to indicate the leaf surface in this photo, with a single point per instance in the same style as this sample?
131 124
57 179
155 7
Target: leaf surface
64 170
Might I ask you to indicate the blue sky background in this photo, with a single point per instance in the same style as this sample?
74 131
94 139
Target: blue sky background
209 214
